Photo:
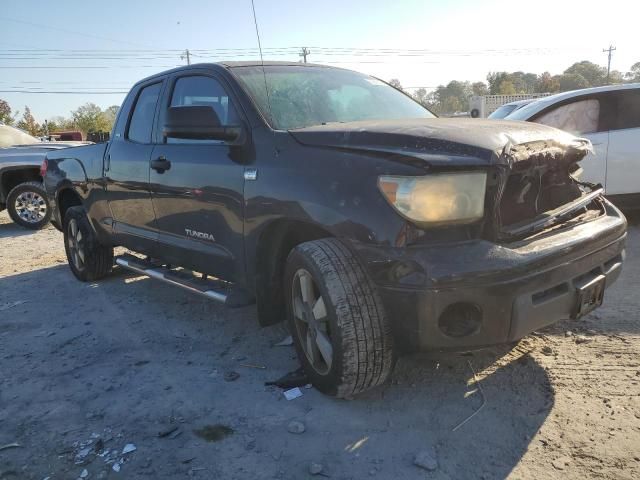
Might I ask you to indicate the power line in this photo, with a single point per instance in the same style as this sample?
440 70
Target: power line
71 32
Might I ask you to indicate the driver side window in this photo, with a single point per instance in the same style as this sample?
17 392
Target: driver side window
203 91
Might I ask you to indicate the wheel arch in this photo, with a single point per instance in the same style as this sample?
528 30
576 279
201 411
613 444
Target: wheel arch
12 176
272 249
66 198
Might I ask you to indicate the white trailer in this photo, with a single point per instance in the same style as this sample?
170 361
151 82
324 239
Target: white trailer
481 106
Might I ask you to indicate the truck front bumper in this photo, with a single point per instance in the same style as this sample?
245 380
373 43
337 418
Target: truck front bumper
497 293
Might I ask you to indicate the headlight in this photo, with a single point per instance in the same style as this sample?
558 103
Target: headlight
437 199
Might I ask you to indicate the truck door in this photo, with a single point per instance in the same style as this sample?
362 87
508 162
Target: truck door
127 172
197 186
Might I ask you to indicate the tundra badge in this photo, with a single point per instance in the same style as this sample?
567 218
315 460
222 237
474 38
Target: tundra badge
201 235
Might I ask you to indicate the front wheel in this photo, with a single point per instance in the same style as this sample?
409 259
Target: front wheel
337 319
28 206
88 258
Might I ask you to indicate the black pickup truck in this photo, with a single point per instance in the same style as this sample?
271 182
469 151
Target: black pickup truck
340 204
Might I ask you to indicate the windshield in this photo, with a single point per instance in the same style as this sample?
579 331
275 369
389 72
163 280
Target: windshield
305 96
503 111
12 136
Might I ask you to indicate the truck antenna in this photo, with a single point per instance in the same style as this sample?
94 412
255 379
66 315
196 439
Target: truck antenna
264 75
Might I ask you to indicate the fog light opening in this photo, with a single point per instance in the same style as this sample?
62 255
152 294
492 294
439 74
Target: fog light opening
460 320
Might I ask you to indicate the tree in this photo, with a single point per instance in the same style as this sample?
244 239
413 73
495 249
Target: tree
28 123
480 88
421 96
547 84
454 97
506 87
89 118
494 79
633 75
5 113
572 81
394 82
109 115
616 76
594 75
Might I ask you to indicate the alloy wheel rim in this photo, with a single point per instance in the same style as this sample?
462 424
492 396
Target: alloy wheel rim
312 322
31 207
75 242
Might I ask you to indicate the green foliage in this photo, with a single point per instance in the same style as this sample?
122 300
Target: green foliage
633 75
110 114
28 123
421 96
593 74
572 81
394 82
480 88
5 113
90 118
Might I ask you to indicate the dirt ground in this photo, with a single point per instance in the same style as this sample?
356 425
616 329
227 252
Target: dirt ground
88 368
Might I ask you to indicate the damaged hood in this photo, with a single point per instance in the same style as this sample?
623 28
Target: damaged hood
447 141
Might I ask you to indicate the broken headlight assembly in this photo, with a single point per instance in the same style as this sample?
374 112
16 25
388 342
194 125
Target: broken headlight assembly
437 199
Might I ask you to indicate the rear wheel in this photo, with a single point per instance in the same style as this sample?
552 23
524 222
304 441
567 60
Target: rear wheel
88 259
28 205
337 319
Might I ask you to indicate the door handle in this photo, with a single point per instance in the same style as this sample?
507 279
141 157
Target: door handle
160 164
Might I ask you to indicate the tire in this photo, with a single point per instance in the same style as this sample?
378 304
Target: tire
88 259
28 206
343 307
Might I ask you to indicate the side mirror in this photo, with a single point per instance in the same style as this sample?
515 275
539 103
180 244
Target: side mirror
198 122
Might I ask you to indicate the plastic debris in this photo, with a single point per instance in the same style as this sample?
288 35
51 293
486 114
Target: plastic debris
128 448
10 445
84 474
293 393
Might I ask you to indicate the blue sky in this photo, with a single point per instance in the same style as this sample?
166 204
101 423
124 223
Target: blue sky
465 39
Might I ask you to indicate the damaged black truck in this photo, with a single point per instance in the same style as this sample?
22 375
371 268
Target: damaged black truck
338 203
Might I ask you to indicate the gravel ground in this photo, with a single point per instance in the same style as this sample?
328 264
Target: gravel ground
88 368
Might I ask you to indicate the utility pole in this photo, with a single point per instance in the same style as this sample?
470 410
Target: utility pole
186 55
304 52
611 49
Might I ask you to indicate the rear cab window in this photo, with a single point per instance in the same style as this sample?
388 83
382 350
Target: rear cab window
141 122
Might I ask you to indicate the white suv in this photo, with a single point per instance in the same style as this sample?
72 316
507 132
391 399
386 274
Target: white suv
609 117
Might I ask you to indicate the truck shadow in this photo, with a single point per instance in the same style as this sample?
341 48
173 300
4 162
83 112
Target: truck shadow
431 403
10 229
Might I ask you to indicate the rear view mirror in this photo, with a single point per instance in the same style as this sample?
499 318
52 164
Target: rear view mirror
198 122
